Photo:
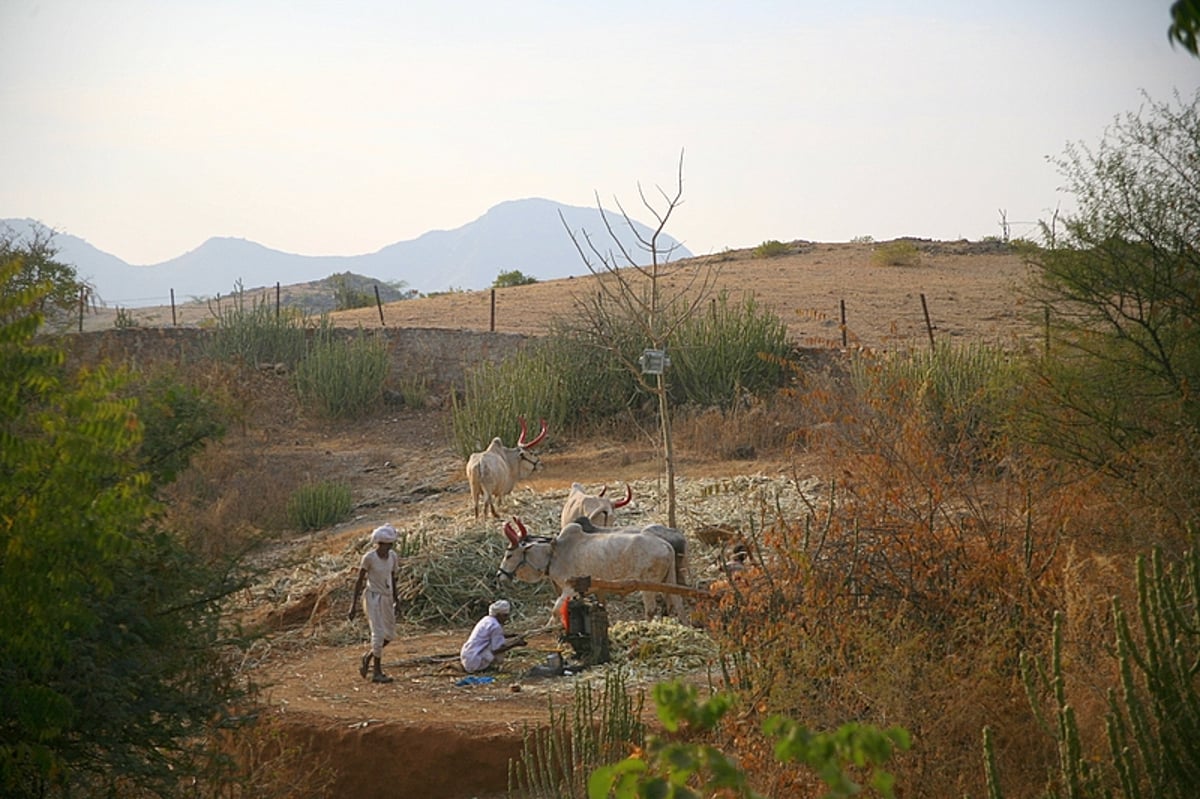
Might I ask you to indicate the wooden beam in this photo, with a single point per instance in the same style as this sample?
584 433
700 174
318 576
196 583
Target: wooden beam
583 585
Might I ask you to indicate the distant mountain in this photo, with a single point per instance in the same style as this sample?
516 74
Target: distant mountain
524 235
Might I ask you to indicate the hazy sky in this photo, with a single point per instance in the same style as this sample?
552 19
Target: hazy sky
337 128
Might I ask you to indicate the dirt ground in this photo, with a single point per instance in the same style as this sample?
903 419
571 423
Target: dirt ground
423 735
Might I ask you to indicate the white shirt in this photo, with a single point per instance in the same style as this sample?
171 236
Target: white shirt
380 571
479 650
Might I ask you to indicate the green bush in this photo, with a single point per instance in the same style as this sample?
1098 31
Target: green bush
512 278
257 332
966 393
673 761
531 384
178 420
343 378
896 253
731 349
315 506
770 249
348 292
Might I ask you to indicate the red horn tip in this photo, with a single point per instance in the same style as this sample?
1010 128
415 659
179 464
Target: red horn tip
628 496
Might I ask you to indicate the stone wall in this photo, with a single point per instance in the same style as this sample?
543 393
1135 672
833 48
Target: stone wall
441 356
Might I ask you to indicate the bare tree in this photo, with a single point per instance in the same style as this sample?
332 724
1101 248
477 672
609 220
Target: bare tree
652 298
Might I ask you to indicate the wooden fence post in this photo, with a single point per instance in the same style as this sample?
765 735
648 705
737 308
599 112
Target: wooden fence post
928 326
174 319
844 335
379 305
492 324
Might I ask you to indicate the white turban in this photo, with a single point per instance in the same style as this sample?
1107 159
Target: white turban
384 534
499 607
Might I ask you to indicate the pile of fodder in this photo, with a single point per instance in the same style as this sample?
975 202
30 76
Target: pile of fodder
661 645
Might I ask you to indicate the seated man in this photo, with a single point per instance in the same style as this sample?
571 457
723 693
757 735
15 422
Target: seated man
486 646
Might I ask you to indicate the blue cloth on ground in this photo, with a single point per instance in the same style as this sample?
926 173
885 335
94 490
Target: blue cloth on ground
471 679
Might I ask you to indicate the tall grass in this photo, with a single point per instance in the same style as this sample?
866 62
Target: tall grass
966 393
726 351
531 384
585 371
343 378
255 332
317 505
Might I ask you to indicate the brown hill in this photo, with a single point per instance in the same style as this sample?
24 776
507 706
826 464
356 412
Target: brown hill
971 291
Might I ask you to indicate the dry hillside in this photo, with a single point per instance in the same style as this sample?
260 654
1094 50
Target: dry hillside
971 290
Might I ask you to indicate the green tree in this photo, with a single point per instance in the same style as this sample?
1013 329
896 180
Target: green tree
113 659
673 767
36 265
349 292
1185 25
512 278
1121 280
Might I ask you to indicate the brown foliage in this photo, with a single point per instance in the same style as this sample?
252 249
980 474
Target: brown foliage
904 598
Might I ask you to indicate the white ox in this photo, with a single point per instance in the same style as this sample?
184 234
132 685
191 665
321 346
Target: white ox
493 473
602 555
675 538
600 509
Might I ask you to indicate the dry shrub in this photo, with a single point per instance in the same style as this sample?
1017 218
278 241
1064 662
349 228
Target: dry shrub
746 431
1090 581
265 758
234 491
905 598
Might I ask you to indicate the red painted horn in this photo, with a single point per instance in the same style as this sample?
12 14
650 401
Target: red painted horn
521 442
524 532
620 503
511 534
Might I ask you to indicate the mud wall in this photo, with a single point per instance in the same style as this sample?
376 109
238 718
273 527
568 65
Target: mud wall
441 356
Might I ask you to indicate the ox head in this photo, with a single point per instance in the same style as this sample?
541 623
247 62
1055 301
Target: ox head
520 562
527 462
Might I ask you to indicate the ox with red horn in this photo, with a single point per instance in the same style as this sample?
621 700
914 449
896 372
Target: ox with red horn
521 442
511 533
493 473
599 509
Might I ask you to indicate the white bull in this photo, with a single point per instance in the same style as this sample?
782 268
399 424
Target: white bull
601 510
493 473
675 538
605 556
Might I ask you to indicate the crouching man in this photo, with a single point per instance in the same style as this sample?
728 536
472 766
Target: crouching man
486 646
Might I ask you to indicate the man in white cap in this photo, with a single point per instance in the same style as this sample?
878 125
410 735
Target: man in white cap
377 571
487 644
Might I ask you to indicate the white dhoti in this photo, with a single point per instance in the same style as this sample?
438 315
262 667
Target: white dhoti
381 615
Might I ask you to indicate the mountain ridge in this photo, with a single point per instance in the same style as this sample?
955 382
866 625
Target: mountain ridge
526 235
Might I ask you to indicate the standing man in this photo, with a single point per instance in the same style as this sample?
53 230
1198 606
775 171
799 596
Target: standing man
377 572
487 644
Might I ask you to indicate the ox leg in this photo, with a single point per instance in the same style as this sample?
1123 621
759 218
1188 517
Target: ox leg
675 606
650 604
